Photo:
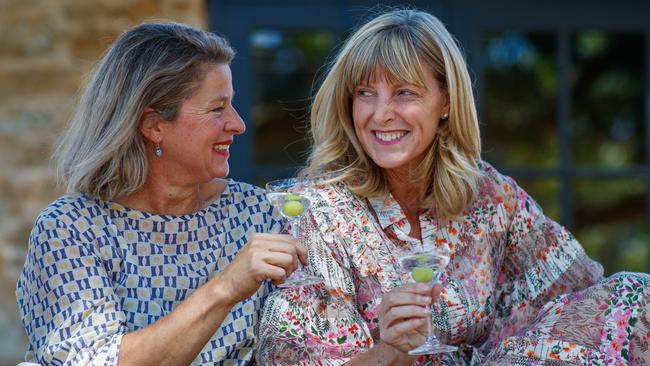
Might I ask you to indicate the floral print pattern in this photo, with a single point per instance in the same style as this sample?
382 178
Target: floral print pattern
519 289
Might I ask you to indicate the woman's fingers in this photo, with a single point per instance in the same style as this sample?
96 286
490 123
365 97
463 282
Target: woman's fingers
404 327
400 314
283 260
294 248
275 273
409 294
276 250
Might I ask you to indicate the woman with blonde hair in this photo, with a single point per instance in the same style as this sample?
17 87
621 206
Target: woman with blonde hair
394 126
153 258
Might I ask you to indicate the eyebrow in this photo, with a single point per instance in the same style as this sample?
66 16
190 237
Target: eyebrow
222 98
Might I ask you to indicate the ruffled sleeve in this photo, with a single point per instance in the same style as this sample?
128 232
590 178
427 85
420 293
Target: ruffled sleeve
541 260
316 324
66 299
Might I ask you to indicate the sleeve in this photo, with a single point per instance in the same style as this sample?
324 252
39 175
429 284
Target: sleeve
66 299
314 324
541 260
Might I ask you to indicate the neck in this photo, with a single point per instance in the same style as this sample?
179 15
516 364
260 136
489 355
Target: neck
166 200
407 193
167 195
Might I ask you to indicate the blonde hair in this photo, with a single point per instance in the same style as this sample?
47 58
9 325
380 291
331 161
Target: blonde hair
399 43
158 65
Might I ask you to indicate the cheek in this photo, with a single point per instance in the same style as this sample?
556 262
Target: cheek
359 118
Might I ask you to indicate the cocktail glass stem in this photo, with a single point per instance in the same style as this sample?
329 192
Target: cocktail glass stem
299 277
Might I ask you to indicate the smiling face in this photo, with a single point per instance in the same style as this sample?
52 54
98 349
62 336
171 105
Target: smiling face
397 122
196 145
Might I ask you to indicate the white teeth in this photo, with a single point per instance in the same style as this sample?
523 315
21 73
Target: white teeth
391 136
219 147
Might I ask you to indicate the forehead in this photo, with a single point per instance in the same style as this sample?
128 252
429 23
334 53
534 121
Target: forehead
216 80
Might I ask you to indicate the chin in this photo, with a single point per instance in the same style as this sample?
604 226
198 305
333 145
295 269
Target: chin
221 173
389 164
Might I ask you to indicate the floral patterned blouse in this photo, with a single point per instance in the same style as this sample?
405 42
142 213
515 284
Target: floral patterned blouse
499 301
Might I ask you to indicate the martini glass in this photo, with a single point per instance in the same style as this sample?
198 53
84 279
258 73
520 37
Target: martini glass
426 267
292 198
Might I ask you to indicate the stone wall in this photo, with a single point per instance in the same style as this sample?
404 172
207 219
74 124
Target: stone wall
46 50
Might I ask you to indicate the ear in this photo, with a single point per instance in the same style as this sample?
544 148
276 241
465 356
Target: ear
150 125
445 106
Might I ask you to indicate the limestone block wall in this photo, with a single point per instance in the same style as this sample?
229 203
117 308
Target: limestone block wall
47 48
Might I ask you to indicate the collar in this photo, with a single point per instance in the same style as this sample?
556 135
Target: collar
388 211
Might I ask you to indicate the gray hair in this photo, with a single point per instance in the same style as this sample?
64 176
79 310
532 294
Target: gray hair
158 65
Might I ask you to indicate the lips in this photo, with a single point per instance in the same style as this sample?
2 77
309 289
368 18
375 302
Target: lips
222 147
389 137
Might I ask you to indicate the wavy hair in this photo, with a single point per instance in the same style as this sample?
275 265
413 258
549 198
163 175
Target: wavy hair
158 65
400 43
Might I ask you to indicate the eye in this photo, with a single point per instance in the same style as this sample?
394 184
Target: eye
406 92
218 110
364 92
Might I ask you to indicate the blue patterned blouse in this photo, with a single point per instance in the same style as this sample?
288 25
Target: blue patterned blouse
96 270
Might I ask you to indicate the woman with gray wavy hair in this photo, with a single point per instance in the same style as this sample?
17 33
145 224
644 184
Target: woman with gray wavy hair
152 257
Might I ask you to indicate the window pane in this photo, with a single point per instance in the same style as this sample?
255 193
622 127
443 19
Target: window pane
520 99
607 88
284 65
611 226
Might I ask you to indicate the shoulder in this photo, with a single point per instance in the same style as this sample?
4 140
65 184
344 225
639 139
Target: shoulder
247 199
335 208
68 222
495 186
336 202
241 191
335 193
71 210
500 189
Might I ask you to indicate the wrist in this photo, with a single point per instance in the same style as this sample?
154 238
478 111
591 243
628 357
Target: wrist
395 356
220 292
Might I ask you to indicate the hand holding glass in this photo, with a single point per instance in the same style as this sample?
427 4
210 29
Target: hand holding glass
427 267
292 198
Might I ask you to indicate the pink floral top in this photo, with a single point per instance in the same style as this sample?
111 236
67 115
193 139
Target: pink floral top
507 261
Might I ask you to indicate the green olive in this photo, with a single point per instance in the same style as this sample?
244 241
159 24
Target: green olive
293 208
422 274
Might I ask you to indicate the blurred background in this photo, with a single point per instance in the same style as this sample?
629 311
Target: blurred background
563 93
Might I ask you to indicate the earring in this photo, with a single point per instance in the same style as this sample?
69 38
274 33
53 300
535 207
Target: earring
445 116
158 151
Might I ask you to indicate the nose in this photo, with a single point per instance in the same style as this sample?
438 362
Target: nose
384 110
235 124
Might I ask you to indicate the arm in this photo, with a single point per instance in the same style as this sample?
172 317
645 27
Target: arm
66 300
177 338
72 315
541 260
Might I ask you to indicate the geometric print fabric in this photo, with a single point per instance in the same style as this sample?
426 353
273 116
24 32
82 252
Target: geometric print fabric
96 270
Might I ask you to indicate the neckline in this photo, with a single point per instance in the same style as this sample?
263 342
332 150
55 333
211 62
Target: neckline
125 211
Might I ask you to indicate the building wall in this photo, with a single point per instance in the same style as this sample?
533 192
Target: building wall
47 48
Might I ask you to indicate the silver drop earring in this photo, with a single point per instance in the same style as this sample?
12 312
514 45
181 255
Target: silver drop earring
158 151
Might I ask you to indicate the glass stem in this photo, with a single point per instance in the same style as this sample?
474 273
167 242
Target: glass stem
429 324
294 229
